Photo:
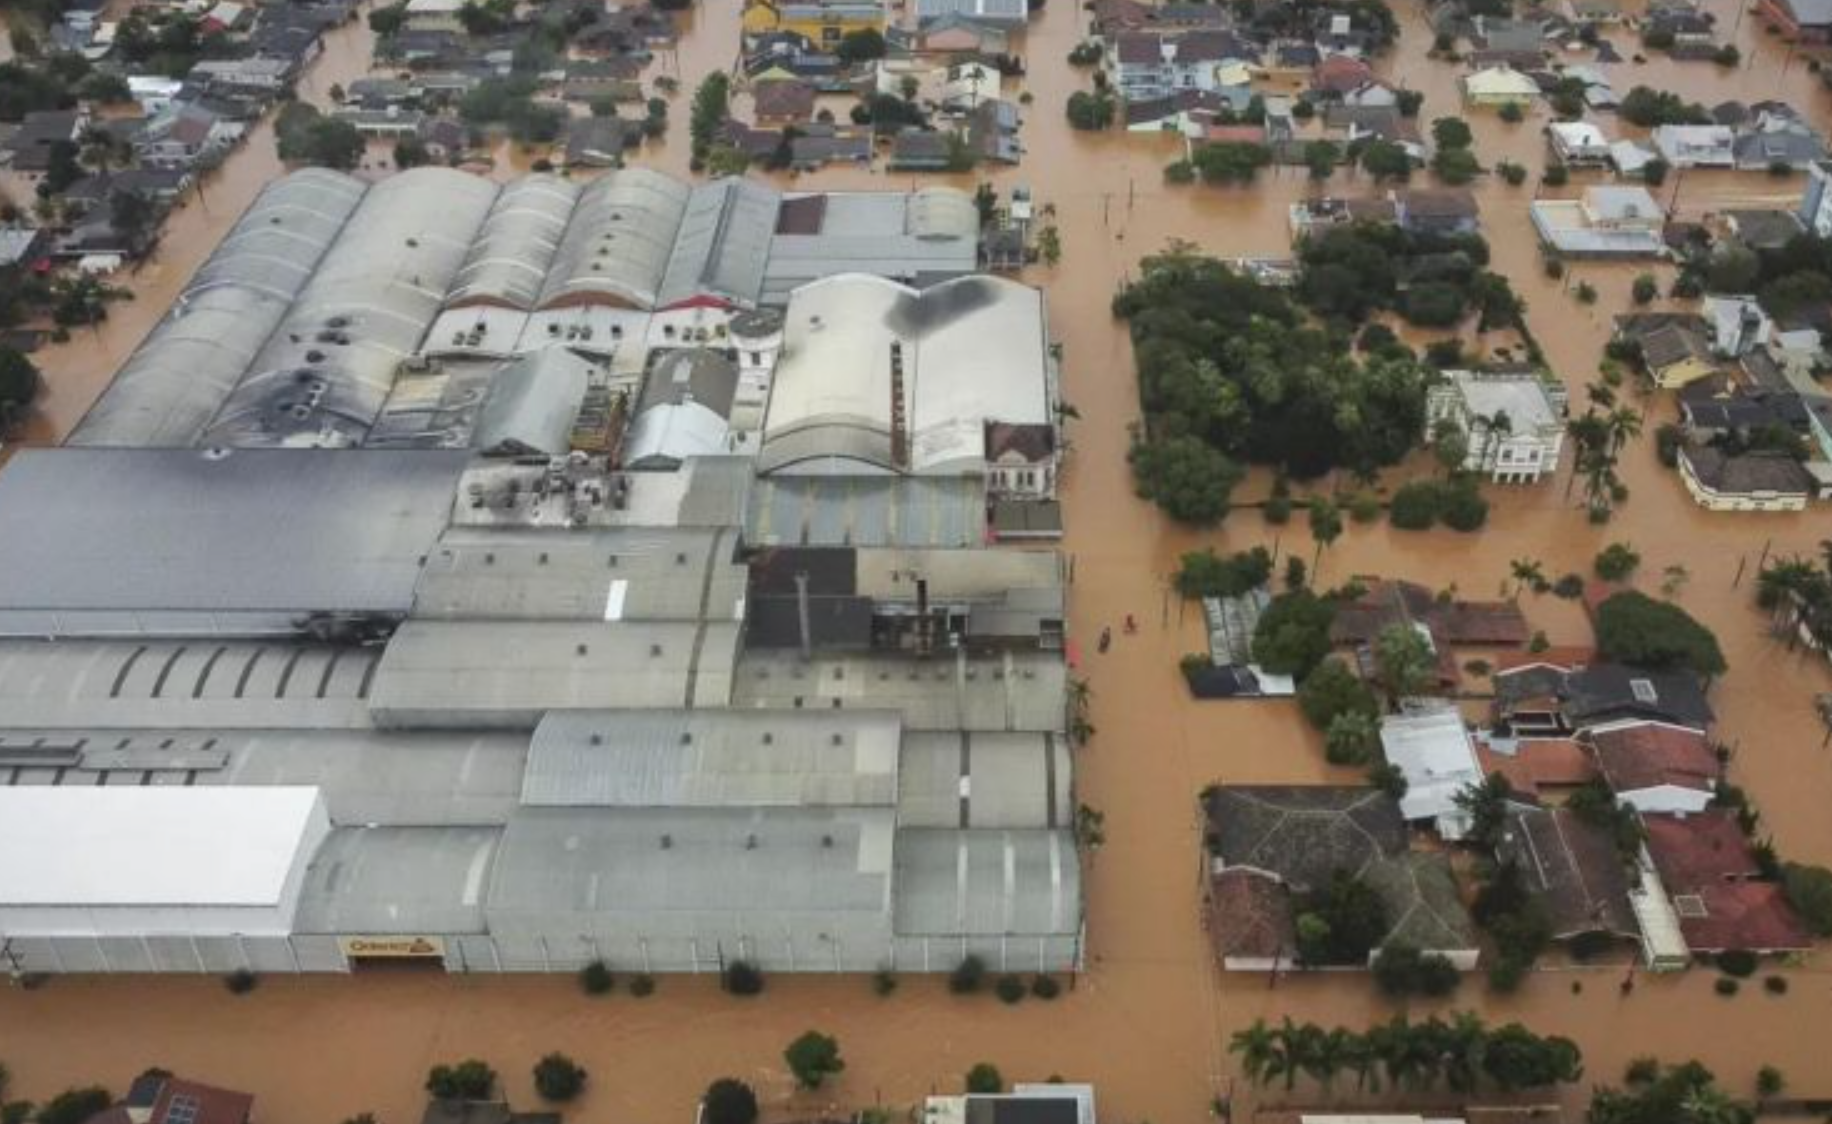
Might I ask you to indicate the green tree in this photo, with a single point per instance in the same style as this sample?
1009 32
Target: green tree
1231 161
1321 157
19 383
1404 663
861 45
1635 629
1292 634
711 105
1325 527
1352 738
1449 445
1090 112
558 1078
469 1080
1485 805
1339 922
387 20
1203 573
813 1058
1809 891
1451 133
1262 1057
1416 505
1402 970
729 1101
1681 1094
1189 479
1616 562
74 1106
1332 689
1385 160
984 1078
1455 166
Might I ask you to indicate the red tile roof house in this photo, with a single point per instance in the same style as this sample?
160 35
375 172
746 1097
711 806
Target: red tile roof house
157 1097
1340 74
1710 875
1655 767
782 103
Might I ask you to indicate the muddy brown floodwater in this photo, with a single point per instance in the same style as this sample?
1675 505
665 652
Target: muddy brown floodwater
1149 1020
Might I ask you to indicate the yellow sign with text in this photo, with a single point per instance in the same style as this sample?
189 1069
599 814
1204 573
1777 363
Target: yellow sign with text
393 947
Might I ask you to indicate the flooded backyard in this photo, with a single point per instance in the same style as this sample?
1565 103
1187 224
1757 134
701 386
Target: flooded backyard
1149 1021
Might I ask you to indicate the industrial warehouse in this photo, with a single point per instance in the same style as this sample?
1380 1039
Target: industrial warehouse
602 573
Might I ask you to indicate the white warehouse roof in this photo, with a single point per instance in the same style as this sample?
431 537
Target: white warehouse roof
153 846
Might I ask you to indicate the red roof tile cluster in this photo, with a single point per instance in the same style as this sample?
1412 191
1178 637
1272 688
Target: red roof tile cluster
1249 916
1539 763
1709 872
1653 754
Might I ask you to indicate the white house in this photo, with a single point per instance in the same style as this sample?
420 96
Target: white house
1655 767
1697 146
1610 221
1816 206
1146 65
1514 422
1578 143
1430 745
1498 86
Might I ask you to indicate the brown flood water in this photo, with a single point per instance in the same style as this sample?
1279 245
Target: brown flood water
1150 1020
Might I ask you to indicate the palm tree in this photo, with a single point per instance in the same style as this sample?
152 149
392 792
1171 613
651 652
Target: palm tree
1623 425
1465 1040
100 149
1258 1050
1526 572
1361 1057
1325 527
1293 1046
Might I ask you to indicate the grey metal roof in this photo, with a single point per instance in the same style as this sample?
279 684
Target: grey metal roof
326 371
373 880
174 382
616 248
578 869
487 674
712 758
631 574
254 531
508 263
1013 691
533 403
365 776
917 238
724 242
958 779
183 684
987 883
867 511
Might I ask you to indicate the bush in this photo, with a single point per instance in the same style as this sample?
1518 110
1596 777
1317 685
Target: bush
1586 293
1089 112
1364 507
1415 505
741 977
596 978
1514 174
1464 509
1738 962
1635 629
1725 986
1667 441
469 1080
1333 690
1402 970
1512 113
1277 511
75 1106
1809 890
1506 974
729 1101
1180 171
813 1058
1010 989
1775 985
1645 289
642 986
1555 175
1204 573
1292 634
1616 562
967 976
241 981
985 1079
1569 587
883 982
558 1078
1045 987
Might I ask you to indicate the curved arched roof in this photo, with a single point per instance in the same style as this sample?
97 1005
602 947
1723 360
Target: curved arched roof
325 373
617 246
509 261
167 391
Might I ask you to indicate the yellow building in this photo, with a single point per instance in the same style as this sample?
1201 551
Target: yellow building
1677 356
824 22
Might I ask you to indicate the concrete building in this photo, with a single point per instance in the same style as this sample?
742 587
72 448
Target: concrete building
1514 422
1608 222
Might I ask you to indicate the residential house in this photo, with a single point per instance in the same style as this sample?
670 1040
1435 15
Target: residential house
1428 743
1188 112
434 15
756 144
154 93
965 85
447 139
1338 76
1007 15
921 150
1800 21
1631 158
158 1097
1021 461
785 55
1551 695
1816 206
227 18
1607 222
1709 873
599 142
1759 480
1373 94
588 80
1594 11
1577 143
1447 622
1497 33
820 145
992 132
782 103
1654 767
38 135
1144 65
1763 229
1115 17
393 123
379 93
1442 211
1351 123
1778 140
1312 215
1573 869
181 139
822 22
263 77
1497 86
1717 410
1696 146
1267 844
955 35
1676 355
1514 422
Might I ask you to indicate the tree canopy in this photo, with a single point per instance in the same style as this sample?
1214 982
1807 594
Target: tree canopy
1339 922
305 136
1635 629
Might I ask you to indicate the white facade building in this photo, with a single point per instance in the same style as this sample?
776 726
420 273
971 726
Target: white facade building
1514 422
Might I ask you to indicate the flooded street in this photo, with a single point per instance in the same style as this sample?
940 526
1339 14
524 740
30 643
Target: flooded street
1149 1021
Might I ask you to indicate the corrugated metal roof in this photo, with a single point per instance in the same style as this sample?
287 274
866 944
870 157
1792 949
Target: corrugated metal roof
702 758
533 403
1015 691
723 243
956 779
616 247
987 883
374 880
939 511
508 262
